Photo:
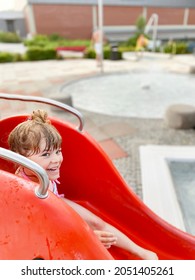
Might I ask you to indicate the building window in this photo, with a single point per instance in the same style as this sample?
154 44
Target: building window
10 25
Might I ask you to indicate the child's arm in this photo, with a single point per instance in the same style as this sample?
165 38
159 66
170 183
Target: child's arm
102 229
107 238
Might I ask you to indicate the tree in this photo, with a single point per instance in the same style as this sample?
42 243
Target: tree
140 25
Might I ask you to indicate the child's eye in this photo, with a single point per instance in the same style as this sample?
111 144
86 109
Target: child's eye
46 154
59 151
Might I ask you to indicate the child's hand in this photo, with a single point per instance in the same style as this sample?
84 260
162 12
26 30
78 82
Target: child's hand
107 238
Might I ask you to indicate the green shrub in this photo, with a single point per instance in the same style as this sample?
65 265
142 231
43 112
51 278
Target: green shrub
9 37
107 53
90 53
176 48
55 37
38 53
126 49
54 41
67 42
169 48
18 57
6 57
181 48
131 42
140 24
38 40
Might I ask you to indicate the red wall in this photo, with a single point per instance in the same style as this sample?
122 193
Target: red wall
121 15
68 20
76 21
191 19
167 16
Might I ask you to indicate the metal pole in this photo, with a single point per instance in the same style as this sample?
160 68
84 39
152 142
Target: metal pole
100 24
155 31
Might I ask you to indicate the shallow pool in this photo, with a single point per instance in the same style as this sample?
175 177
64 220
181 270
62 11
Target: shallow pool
183 176
133 94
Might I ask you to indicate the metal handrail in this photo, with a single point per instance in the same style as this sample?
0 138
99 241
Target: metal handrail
42 190
152 20
46 101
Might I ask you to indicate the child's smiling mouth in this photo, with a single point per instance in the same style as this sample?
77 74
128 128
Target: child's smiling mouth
54 169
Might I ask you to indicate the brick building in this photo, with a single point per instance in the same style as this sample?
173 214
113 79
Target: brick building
77 18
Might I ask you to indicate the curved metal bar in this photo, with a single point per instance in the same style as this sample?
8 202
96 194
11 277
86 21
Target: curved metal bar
42 190
46 101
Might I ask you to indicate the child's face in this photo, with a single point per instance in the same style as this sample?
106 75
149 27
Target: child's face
49 160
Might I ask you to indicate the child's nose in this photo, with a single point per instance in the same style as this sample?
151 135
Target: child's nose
55 158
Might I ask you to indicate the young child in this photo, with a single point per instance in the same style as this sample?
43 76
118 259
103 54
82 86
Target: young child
38 140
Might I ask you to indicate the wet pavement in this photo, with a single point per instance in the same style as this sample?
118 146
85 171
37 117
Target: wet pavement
135 119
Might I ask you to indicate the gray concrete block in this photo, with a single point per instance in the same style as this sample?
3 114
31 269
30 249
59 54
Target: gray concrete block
180 116
192 69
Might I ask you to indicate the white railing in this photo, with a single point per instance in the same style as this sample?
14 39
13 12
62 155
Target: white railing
152 22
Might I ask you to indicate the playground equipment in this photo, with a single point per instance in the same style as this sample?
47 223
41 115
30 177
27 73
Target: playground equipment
152 22
37 224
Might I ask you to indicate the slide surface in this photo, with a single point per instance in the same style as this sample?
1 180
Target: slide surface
89 177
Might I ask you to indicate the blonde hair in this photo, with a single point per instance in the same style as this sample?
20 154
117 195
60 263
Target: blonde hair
25 138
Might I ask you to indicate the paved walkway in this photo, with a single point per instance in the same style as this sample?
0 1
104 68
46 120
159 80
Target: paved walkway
120 136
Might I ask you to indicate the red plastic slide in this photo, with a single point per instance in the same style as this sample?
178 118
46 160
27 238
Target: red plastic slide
39 228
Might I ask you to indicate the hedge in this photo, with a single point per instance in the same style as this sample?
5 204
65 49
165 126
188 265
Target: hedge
38 53
6 57
90 53
9 37
10 57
